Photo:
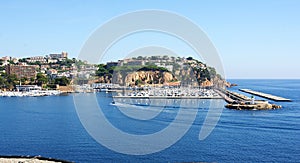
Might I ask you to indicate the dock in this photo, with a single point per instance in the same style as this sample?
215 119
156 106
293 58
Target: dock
265 95
170 97
237 96
225 96
242 102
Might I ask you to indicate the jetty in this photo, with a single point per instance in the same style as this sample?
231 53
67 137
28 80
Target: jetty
242 102
170 97
265 95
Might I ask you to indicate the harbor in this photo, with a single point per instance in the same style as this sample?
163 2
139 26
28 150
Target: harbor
54 120
171 93
235 100
170 97
29 90
30 93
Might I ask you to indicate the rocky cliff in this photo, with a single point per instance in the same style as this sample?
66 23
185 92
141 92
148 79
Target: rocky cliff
181 71
139 78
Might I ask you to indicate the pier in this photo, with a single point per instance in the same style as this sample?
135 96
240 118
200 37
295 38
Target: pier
242 102
170 97
224 96
265 95
237 96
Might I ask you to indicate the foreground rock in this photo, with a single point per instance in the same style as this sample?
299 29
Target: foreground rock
27 159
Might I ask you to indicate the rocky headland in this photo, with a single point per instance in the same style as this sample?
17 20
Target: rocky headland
162 71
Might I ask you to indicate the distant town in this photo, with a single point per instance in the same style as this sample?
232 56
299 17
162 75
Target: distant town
48 71
57 71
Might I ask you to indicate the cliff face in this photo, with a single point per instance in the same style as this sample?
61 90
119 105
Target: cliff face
104 79
188 72
148 77
207 83
185 77
139 78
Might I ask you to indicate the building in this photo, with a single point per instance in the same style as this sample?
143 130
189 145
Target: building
40 59
131 62
7 59
62 55
21 71
52 73
111 64
45 67
50 60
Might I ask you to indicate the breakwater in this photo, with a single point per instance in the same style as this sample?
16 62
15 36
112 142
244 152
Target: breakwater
265 95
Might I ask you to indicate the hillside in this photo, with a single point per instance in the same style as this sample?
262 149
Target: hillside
164 70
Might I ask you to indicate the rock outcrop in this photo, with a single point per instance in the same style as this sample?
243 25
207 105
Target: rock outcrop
139 78
207 83
148 78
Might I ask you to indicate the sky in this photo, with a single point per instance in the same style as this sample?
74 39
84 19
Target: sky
255 39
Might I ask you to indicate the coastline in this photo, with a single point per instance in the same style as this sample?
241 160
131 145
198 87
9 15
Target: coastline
35 159
170 97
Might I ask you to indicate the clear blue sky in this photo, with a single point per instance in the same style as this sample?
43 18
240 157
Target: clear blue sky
255 39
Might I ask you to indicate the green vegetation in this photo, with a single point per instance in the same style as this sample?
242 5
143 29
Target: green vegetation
8 81
63 81
41 78
189 58
104 71
153 68
183 68
188 70
67 62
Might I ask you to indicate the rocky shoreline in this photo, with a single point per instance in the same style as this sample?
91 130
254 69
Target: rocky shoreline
31 159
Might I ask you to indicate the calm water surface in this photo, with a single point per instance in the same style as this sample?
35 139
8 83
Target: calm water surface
49 126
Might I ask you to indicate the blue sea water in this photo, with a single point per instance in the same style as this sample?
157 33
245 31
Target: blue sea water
50 127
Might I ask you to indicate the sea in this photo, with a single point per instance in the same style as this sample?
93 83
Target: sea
50 127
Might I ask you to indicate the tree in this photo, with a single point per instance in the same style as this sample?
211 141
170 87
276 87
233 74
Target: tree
23 60
154 58
62 81
212 72
139 58
37 63
11 62
189 58
101 70
165 57
153 68
32 80
24 80
11 80
2 82
41 79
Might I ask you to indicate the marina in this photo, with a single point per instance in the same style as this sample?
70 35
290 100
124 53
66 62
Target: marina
29 90
235 100
29 93
171 93
265 95
170 97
